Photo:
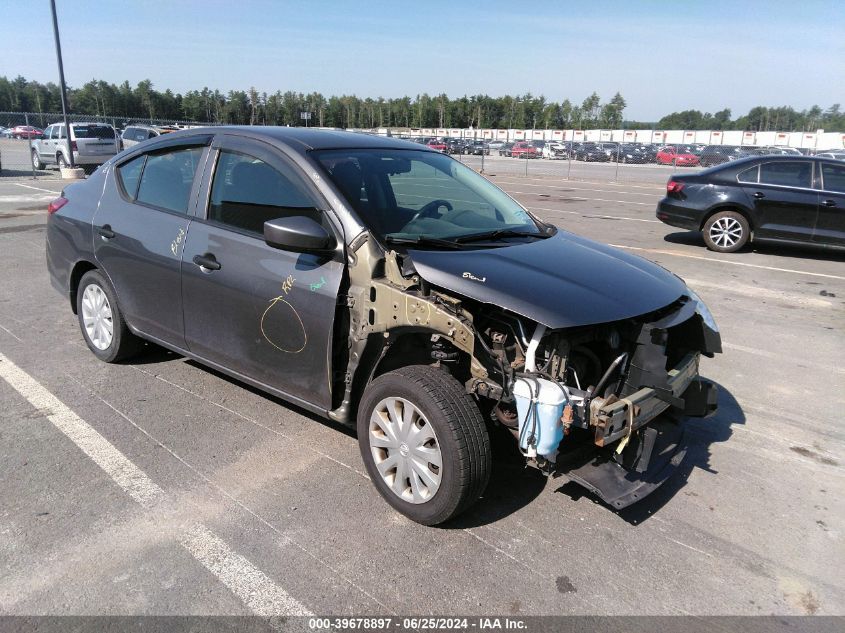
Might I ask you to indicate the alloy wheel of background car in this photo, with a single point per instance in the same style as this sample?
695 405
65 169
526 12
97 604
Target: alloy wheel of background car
456 443
405 450
101 321
60 161
36 162
726 232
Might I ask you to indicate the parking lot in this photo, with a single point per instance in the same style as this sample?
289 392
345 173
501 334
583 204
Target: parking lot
162 487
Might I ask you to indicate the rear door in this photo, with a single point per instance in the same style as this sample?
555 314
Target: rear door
262 312
44 145
784 202
139 234
830 227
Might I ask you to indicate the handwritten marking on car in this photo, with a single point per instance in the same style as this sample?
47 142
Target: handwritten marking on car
318 284
281 348
174 245
287 284
474 278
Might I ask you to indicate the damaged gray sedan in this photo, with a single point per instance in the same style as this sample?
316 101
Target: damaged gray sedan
390 288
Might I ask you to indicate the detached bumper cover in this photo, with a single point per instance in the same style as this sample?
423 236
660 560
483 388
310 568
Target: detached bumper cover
645 465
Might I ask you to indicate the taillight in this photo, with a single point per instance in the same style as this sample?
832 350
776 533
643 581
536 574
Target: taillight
73 146
55 205
673 186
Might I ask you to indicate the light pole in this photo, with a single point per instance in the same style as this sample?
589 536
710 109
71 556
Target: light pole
62 81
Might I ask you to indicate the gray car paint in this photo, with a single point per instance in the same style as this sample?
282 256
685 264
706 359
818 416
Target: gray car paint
222 317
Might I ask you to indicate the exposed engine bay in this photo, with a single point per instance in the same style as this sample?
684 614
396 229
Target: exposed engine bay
602 404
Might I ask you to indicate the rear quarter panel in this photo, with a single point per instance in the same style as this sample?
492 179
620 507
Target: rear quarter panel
70 231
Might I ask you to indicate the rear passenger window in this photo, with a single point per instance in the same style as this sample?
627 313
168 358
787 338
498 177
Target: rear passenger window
787 174
129 175
167 179
833 178
247 192
749 175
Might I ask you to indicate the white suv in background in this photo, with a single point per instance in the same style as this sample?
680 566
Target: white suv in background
92 145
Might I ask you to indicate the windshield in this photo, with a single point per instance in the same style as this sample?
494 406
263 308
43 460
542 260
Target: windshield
408 194
93 131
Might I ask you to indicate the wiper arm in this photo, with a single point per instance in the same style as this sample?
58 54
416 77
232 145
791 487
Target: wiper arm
422 240
499 234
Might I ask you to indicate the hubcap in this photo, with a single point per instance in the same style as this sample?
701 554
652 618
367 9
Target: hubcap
405 450
726 232
97 317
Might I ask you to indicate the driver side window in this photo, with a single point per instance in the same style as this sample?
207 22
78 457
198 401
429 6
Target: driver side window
247 192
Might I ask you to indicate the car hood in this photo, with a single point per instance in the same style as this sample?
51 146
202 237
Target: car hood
562 281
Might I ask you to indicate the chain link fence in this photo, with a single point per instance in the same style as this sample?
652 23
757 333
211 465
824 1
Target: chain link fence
602 161
22 136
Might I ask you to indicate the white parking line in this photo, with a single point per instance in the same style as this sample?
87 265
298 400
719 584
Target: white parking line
575 185
258 592
29 198
581 181
55 193
724 261
580 199
602 216
790 360
747 290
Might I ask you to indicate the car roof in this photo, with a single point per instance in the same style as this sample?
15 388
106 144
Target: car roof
300 139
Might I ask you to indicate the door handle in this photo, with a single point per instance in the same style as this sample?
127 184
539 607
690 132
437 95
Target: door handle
759 194
207 262
105 232
829 203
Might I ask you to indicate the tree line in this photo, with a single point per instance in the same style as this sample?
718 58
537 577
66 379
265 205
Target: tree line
99 98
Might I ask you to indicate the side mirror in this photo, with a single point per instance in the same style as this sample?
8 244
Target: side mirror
299 234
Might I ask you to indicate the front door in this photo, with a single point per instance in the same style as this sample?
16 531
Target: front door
830 227
139 233
784 201
262 312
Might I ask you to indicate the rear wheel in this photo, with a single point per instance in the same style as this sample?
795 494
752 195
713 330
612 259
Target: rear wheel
101 321
726 232
424 443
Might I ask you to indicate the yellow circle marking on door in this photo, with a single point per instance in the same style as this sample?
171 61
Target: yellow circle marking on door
273 302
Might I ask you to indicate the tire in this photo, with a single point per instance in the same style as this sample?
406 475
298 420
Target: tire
446 420
726 232
60 160
122 344
36 161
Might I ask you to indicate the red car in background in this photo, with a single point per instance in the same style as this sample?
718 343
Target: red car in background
437 144
524 149
26 131
678 156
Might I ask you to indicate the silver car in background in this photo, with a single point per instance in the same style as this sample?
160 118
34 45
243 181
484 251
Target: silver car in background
92 145
134 134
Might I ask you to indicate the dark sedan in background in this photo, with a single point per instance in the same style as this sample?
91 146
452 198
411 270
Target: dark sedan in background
790 199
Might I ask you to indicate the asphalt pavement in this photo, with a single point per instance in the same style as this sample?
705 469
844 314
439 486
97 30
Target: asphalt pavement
161 487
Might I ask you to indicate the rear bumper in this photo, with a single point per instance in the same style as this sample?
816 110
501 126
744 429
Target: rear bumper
671 213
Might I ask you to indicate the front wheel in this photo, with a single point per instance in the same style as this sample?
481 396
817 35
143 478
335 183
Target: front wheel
424 443
101 321
726 232
60 161
36 161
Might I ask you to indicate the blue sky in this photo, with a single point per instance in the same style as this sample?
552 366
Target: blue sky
662 56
